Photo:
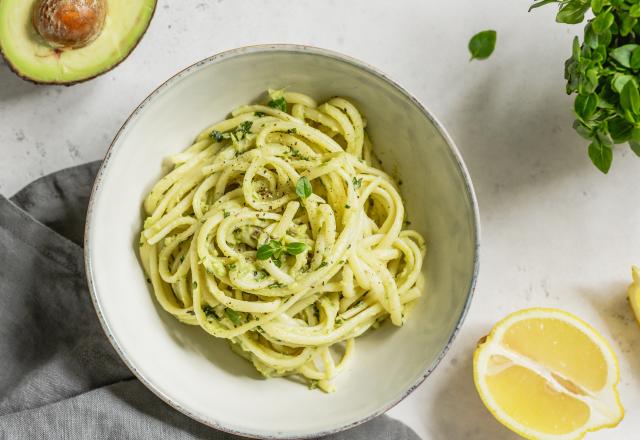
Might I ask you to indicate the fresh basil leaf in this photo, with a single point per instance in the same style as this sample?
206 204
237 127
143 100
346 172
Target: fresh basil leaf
630 98
635 147
585 106
622 54
601 156
482 44
634 61
303 188
602 22
619 129
590 36
596 5
628 22
575 52
604 39
264 252
588 82
603 137
607 99
572 12
583 130
619 81
592 77
295 248
634 11
357 183
273 249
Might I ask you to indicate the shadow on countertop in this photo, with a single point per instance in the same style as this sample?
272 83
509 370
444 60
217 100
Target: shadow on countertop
516 138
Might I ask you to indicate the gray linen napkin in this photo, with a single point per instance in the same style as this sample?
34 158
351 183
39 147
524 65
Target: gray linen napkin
59 376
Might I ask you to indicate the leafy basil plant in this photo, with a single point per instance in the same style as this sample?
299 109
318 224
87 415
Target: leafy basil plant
604 73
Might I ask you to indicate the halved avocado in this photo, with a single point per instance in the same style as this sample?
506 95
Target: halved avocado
70 41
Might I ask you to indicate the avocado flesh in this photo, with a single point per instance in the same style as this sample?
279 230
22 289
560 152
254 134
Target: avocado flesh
33 59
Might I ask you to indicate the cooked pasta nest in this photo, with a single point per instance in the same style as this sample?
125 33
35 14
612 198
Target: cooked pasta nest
276 230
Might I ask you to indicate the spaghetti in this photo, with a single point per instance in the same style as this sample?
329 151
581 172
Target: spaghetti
275 230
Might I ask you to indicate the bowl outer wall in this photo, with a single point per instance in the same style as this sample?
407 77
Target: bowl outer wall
469 272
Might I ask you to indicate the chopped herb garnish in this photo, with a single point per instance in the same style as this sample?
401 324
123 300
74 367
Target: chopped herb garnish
347 206
260 274
260 114
244 128
231 266
209 311
195 284
225 213
279 103
303 188
313 384
323 264
277 262
274 249
356 182
292 131
296 153
275 285
217 136
233 316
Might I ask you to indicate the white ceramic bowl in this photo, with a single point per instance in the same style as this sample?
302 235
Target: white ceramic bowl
198 374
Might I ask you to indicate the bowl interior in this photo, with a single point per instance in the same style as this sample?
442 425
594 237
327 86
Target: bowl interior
197 373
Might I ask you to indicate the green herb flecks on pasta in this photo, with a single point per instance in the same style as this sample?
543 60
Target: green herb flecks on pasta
274 230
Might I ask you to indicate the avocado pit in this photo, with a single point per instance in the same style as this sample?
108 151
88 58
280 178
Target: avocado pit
69 23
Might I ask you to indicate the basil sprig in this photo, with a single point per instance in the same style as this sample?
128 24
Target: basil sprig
604 73
303 188
274 249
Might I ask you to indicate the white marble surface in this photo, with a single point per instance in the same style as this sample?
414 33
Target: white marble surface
556 232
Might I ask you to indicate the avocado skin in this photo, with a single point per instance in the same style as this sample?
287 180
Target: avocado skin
73 83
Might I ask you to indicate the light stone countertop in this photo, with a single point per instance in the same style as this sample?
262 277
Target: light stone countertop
555 231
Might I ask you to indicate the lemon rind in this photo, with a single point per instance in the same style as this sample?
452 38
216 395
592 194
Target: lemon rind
493 340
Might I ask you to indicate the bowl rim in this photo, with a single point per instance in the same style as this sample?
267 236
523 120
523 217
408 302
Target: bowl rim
271 48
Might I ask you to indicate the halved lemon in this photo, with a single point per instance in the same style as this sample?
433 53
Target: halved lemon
634 292
548 375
